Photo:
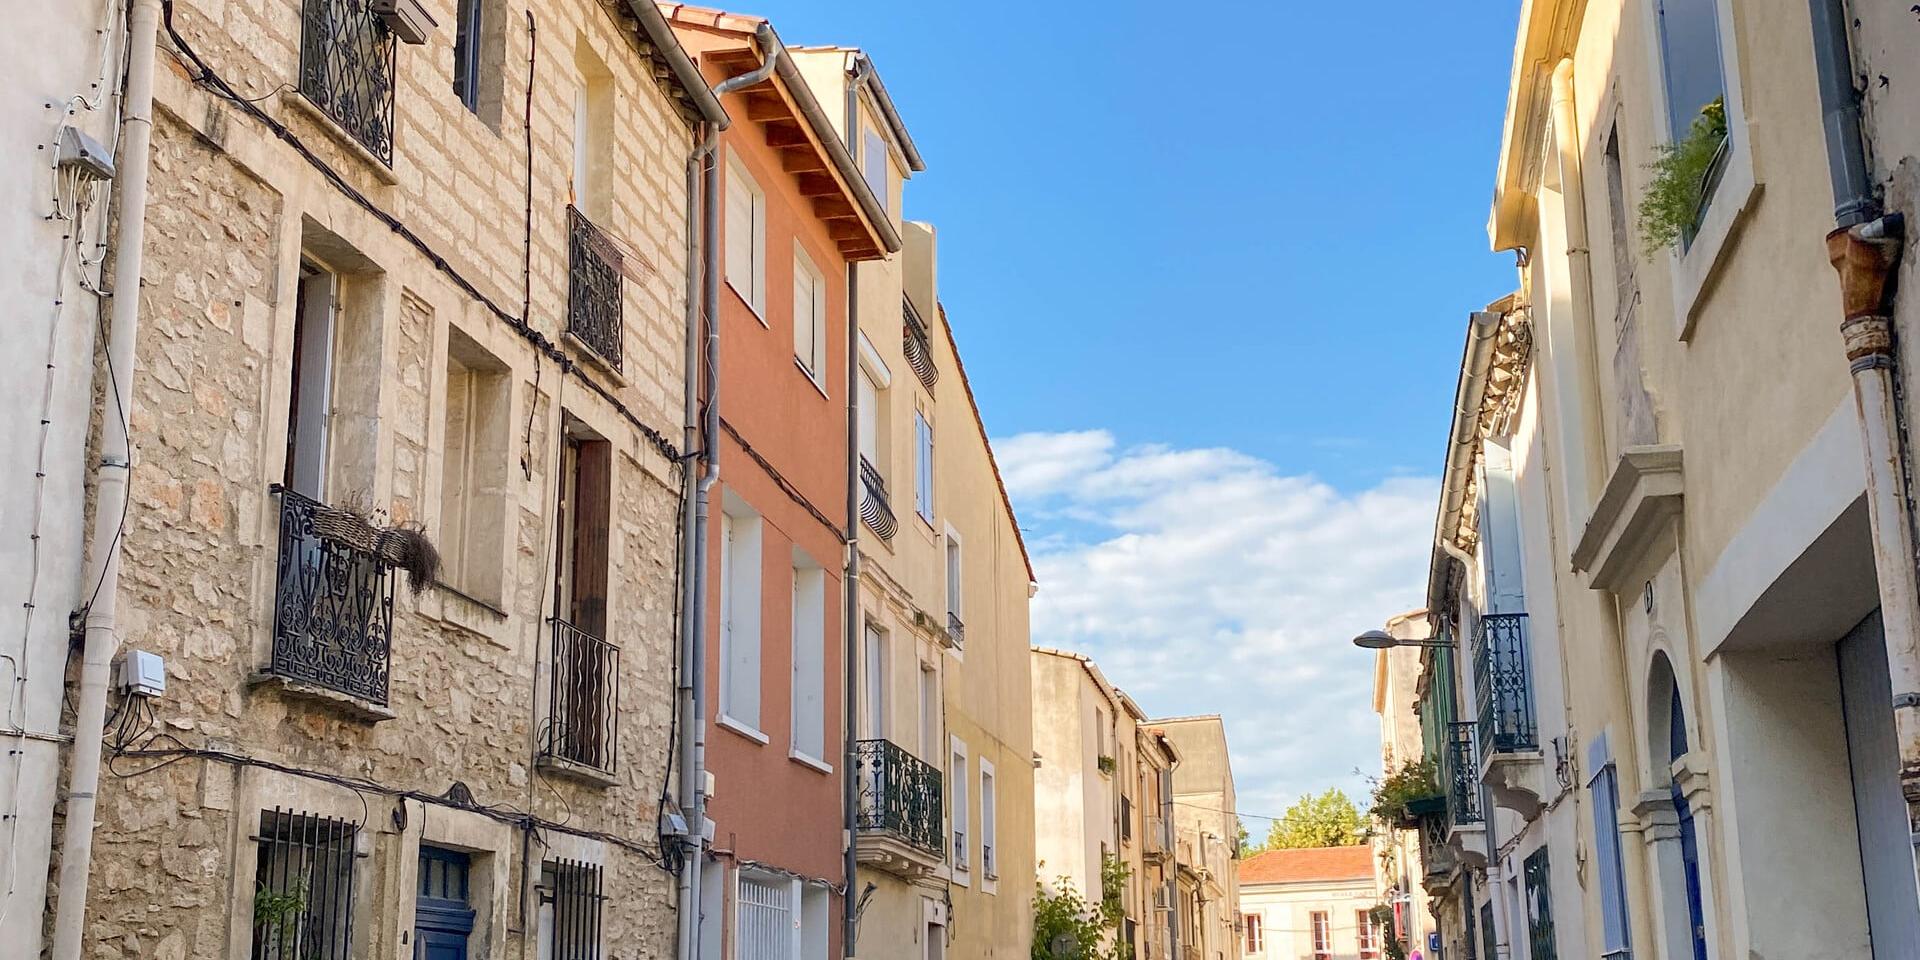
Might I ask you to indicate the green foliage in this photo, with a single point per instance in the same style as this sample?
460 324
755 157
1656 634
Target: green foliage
1106 764
278 914
1671 207
1066 926
1414 780
1382 916
1324 820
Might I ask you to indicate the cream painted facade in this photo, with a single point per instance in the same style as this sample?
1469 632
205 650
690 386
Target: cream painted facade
357 312
1105 788
64 59
1400 864
1206 838
940 675
1667 718
1310 919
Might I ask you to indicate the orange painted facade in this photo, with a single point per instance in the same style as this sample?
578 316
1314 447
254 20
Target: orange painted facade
783 455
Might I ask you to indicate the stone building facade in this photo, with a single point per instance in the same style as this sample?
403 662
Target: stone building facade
458 311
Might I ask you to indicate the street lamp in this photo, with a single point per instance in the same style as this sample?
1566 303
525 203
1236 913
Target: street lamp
1382 640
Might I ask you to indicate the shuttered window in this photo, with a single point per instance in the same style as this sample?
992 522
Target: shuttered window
766 922
740 579
923 466
746 240
809 318
1615 940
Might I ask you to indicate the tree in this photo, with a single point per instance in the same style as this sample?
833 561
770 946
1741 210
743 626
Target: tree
1318 820
1066 926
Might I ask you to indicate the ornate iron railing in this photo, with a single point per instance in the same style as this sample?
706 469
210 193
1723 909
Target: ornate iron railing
1541 944
593 287
1502 689
1156 839
919 348
900 794
583 699
332 607
347 69
1463 774
875 509
956 629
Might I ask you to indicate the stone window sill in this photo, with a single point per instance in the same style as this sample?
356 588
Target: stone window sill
581 773
352 706
381 171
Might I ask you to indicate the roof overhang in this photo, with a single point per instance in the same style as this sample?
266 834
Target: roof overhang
1548 32
664 49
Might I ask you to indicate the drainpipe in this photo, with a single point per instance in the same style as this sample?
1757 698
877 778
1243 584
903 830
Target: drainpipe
110 477
1864 247
1566 136
694 673
850 607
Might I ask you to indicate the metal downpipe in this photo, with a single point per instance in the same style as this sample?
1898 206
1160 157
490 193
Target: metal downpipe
850 607
102 627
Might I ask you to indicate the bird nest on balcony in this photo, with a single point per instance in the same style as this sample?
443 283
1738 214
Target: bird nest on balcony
402 546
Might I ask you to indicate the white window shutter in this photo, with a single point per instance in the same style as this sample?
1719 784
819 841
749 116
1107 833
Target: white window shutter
740 234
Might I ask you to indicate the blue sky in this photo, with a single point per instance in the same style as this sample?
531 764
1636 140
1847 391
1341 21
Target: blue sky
1223 254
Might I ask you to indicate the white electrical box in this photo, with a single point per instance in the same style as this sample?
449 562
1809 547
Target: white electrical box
143 674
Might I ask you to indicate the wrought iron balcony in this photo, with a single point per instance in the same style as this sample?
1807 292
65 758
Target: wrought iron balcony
901 796
347 69
918 346
583 706
333 601
875 510
956 629
1503 689
594 265
1462 774
1156 841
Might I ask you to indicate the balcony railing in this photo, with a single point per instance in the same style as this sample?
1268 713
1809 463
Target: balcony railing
956 629
875 510
900 794
347 69
1156 840
918 347
1502 689
583 706
594 266
333 601
1462 774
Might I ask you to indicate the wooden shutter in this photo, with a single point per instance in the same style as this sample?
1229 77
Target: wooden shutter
740 237
592 499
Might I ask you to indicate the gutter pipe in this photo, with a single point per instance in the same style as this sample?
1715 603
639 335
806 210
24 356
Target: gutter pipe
1482 326
693 644
110 477
872 208
685 72
1864 247
860 75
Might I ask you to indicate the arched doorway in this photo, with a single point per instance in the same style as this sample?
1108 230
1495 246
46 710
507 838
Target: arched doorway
1689 836
1675 837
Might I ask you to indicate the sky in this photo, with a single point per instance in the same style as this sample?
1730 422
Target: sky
1210 269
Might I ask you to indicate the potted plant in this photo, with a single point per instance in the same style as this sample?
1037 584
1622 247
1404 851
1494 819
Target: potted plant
1406 793
1683 180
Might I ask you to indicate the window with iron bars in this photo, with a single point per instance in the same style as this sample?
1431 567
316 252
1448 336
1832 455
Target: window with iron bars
594 263
347 69
583 698
571 898
303 897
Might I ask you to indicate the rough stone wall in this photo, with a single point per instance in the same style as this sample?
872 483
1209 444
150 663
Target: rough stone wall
230 205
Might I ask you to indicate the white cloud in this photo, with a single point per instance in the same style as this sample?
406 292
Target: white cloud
1206 580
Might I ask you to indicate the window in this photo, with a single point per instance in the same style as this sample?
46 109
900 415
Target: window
571 900
869 419
989 868
443 904
954 579
746 238
740 533
929 710
473 473
873 683
957 775
310 401
1126 819
809 318
809 659
466 53
1623 251
1255 935
347 70
584 522
873 163
1615 940
769 924
304 878
1322 936
923 467
1369 933
1541 944
1695 79
591 188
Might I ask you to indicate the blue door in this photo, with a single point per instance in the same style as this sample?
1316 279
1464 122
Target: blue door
442 914
1689 840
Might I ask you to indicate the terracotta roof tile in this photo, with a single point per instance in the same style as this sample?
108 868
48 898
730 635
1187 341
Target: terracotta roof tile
1308 864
